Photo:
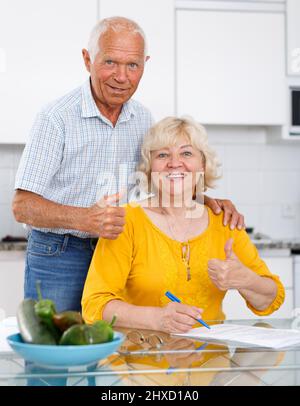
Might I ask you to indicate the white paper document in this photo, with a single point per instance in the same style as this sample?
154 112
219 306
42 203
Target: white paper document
248 336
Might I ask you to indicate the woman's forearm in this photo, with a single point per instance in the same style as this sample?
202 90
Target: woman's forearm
260 291
130 316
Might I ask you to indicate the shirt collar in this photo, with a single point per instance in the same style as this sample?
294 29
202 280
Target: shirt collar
90 109
127 111
88 105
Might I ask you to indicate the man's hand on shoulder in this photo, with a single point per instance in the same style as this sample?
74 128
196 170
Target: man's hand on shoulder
231 215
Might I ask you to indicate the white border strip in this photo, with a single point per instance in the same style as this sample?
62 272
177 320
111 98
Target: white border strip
230 5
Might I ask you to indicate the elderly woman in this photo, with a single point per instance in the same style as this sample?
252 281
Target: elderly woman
172 241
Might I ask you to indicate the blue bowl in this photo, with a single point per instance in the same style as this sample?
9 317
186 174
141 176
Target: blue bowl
64 355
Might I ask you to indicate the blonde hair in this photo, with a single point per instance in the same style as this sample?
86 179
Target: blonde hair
166 132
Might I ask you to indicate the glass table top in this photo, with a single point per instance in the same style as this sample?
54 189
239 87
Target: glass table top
150 358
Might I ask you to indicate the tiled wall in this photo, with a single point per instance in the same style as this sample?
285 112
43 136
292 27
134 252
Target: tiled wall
259 177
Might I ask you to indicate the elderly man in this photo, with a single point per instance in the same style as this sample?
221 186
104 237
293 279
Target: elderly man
68 171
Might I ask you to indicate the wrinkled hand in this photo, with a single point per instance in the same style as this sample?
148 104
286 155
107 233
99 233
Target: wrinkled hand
231 215
229 273
176 317
104 219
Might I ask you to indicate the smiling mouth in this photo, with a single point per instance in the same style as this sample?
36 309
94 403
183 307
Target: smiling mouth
118 89
177 175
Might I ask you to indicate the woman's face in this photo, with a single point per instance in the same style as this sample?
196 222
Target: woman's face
176 168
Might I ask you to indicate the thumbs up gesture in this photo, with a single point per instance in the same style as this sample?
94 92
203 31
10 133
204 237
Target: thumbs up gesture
104 218
229 273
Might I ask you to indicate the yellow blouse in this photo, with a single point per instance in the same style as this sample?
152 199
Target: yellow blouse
143 263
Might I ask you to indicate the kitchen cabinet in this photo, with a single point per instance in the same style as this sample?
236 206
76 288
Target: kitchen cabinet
156 90
231 66
41 45
293 37
12 266
234 305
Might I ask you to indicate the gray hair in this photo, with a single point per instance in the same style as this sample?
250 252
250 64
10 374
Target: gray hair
117 24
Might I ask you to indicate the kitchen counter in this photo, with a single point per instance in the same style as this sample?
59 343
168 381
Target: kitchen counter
277 244
13 246
292 246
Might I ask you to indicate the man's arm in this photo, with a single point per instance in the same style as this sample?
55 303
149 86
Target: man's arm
99 219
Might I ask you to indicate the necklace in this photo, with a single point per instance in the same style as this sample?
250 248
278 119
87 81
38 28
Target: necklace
185 246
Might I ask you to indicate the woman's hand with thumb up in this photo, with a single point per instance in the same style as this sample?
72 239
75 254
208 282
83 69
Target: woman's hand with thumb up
229 273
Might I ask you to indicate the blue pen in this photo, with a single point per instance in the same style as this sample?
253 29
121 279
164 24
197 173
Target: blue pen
175 299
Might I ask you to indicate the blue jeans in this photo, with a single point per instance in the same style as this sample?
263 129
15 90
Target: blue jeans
61 263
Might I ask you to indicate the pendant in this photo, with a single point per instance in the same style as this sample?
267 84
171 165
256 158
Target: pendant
188 273
186 260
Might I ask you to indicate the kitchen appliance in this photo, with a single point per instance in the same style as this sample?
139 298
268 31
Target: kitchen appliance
294 124
258 238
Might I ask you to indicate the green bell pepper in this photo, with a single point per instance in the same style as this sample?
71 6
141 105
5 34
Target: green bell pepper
105 330
84 334
66 319
32 330
45 310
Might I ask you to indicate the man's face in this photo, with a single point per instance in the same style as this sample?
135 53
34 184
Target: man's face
117 68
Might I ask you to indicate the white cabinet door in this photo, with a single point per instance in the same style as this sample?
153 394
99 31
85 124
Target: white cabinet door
41 42
283 267
156 89
293 36
231 67
12 266
234 305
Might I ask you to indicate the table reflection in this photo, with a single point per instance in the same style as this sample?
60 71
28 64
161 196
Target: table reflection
152 358
43 376
183 361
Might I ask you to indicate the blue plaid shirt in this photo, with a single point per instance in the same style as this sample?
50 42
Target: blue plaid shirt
75 156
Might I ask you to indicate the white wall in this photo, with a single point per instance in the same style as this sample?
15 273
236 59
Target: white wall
258 177
9 160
